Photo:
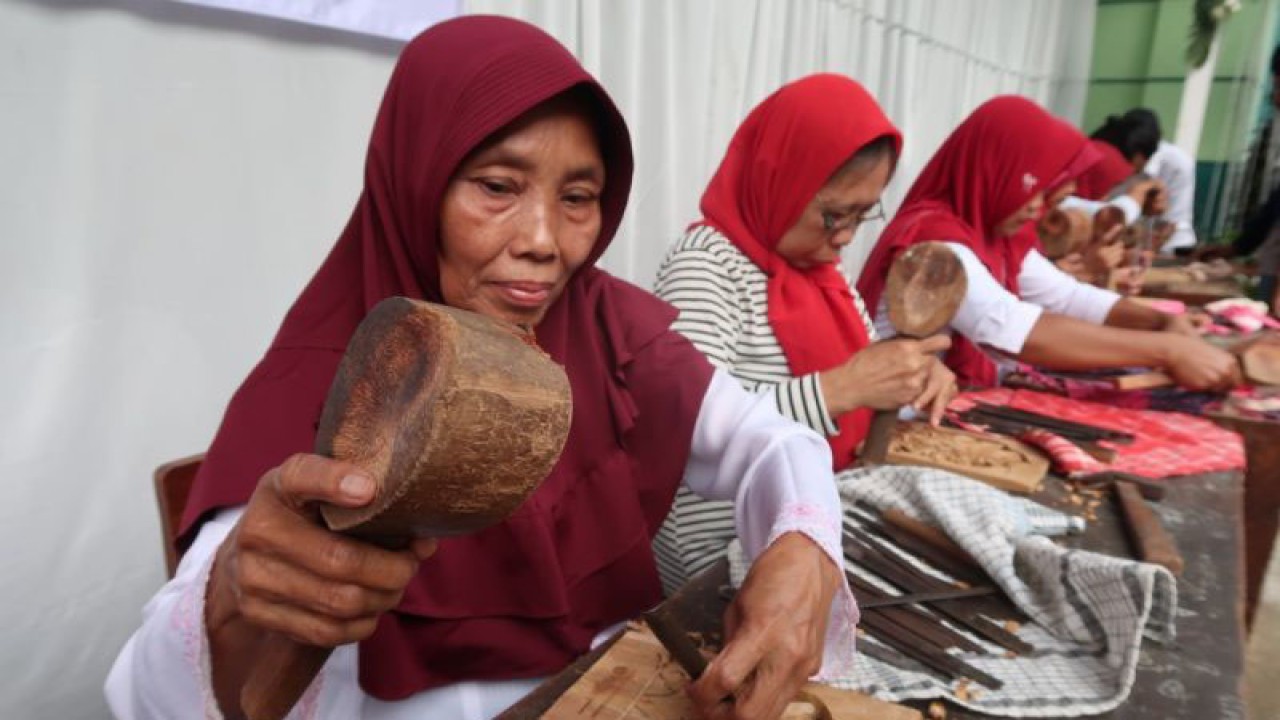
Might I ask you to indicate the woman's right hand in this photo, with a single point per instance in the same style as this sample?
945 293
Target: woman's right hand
883 376
1197 365
281 569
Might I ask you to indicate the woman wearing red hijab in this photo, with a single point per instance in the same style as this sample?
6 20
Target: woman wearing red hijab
760 290
978 192
497 174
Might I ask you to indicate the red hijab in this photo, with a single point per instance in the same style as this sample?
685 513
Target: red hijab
1004 153
781 155
1111 169
525 597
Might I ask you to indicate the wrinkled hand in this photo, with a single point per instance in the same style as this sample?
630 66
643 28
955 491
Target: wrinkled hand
1100 258
939 389
281 569
1129 280
1197 365
883 376
774 633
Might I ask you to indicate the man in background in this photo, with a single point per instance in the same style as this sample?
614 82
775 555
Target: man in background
1172 165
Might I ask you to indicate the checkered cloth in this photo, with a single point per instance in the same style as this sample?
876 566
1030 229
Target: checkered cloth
1090 611
1165 444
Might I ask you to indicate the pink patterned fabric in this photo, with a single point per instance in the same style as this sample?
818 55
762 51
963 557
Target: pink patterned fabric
1165 444
819 525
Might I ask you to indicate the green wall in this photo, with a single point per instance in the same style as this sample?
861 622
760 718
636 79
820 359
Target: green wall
1139 60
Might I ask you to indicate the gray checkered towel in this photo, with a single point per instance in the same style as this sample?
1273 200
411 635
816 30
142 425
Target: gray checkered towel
1090 611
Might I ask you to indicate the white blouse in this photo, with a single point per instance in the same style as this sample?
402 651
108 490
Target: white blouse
776 472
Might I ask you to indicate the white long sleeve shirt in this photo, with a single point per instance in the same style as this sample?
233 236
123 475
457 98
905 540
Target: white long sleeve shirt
776 472
1177 169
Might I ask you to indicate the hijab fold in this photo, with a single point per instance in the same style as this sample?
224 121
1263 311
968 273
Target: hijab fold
777 161
525 597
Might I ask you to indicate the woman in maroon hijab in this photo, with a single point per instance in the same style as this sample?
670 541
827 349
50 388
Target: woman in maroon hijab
496 176
978 193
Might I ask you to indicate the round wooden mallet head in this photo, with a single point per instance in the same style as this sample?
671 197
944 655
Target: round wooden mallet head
1063 232
458 418
925 287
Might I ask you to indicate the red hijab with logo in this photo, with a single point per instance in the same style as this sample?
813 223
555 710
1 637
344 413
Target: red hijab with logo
523 598
1004 153
781 155
1111 169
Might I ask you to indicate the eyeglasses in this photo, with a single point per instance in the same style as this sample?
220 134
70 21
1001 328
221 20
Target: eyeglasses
836 222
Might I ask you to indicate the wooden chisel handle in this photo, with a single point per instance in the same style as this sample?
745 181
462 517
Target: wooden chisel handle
929 534
1152 540
876 447
1143 381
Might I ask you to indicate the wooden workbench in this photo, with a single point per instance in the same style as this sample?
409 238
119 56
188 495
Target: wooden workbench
1197 677
1261 498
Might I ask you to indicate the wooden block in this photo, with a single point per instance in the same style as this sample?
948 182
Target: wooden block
638 679
1261 363
999 461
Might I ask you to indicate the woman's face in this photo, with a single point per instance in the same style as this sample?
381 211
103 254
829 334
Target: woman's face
1060 193
1028 212
845 201
521 214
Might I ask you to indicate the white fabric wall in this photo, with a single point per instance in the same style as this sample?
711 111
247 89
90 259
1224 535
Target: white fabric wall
171 175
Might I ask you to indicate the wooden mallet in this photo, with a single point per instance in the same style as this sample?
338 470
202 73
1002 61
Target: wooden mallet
456 417
925 287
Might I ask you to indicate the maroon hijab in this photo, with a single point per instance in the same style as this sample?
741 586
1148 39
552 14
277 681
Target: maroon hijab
1111 169
1004 153
524 598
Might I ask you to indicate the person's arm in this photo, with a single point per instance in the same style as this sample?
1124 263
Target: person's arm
273 569
705 281
992 317
1043 284
159 673
794 612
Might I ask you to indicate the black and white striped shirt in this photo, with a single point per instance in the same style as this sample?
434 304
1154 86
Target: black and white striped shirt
723 301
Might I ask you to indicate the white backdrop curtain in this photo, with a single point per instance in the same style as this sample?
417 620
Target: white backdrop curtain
685 73
173 174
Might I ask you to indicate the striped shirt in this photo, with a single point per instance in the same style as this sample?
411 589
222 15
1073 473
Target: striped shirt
723 302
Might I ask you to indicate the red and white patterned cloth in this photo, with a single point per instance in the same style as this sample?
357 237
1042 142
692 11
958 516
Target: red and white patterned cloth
1164 443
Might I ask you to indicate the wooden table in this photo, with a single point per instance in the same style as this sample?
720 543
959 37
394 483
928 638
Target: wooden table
1261 498
1198 676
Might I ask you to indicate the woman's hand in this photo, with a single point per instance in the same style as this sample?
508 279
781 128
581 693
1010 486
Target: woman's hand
774 633
1197 365
280 569
939 389
883 376
1129 280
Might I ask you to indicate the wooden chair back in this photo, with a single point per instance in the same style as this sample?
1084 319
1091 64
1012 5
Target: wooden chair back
173 481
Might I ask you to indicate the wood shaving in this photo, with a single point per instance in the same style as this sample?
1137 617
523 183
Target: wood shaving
937 711
1012 625
962 691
